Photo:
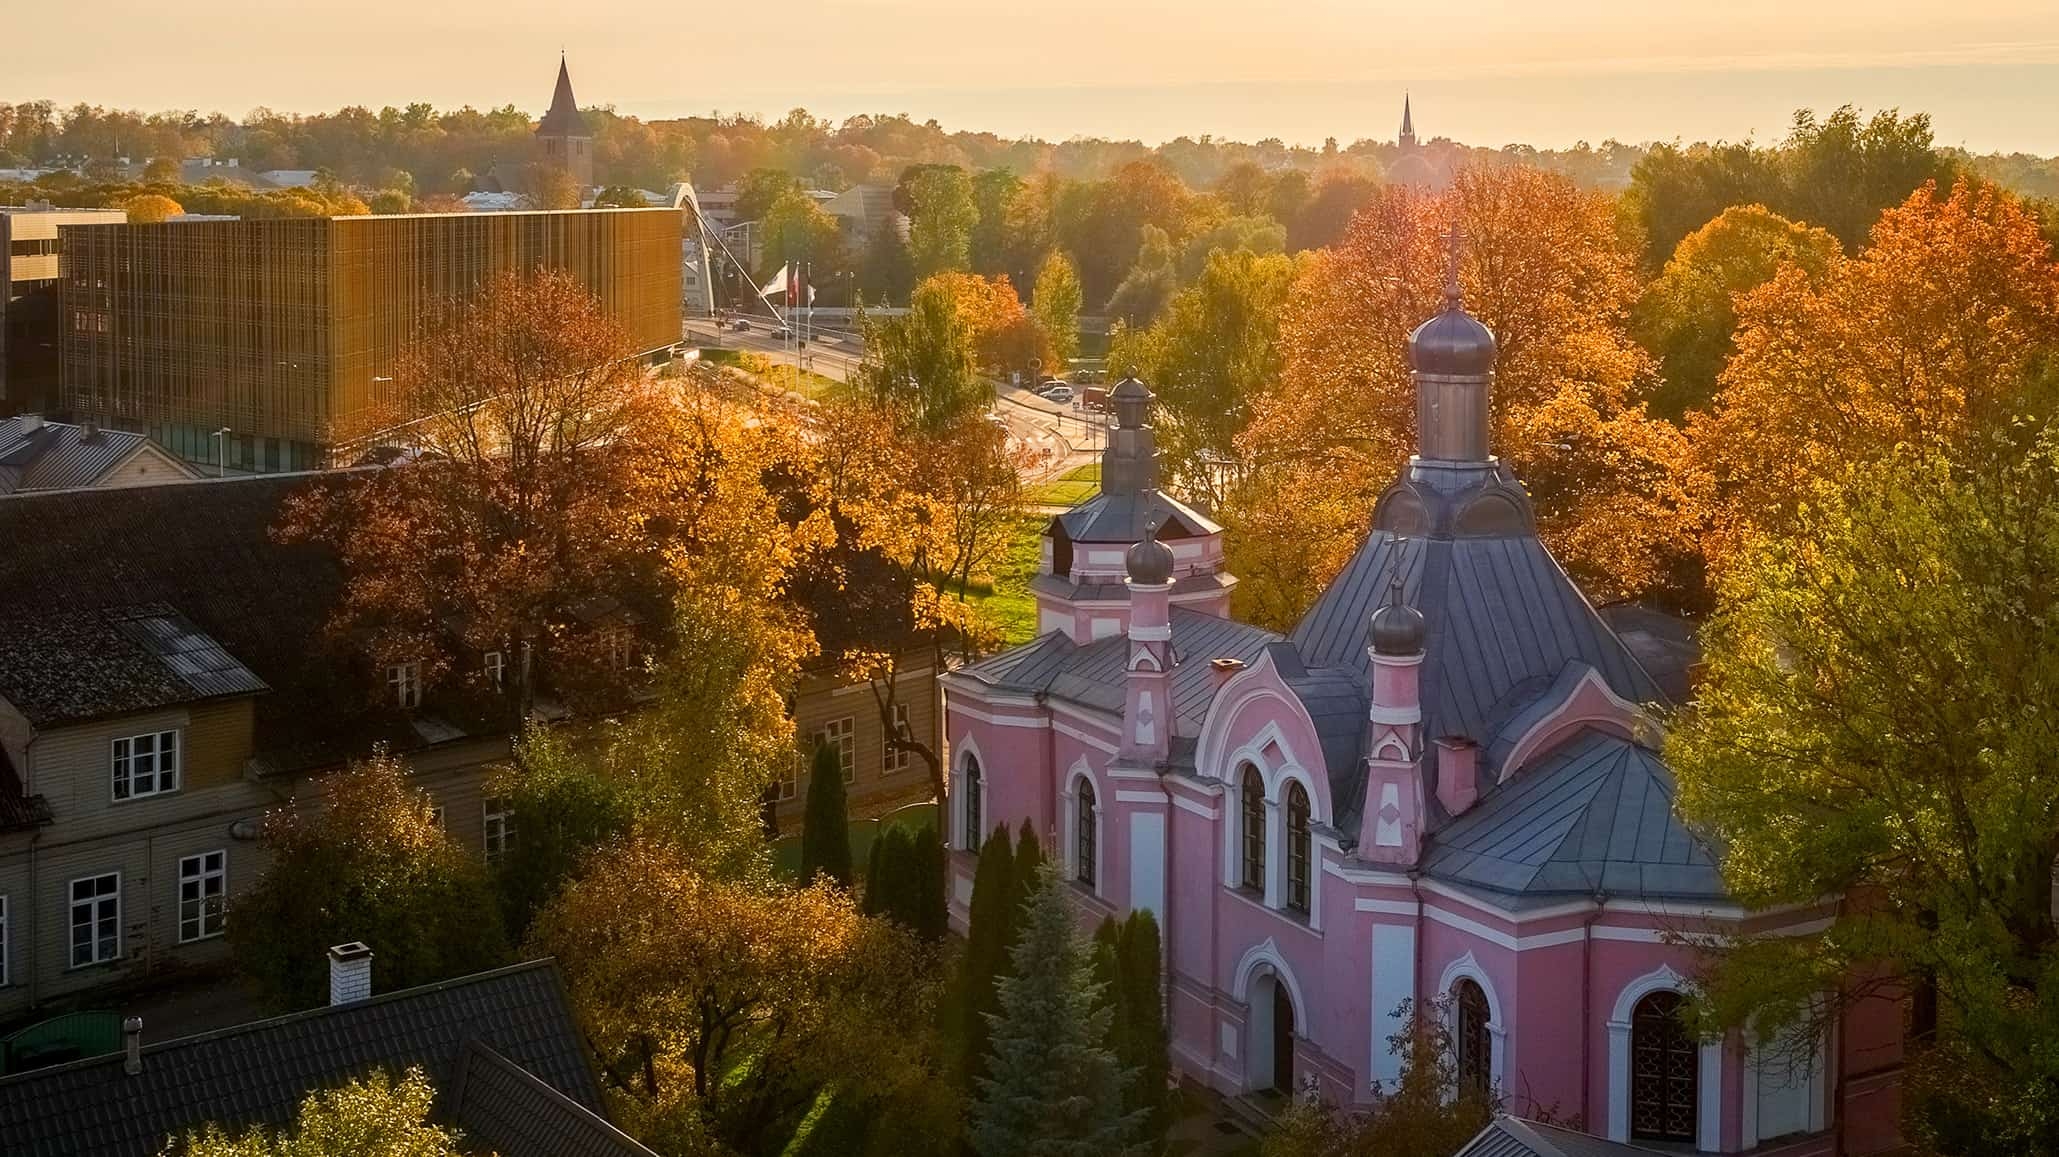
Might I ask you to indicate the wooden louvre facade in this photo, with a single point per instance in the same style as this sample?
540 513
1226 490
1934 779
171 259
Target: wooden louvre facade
281 330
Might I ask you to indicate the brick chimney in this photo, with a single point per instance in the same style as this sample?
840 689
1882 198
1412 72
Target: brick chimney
350 972
1458 773
132 1045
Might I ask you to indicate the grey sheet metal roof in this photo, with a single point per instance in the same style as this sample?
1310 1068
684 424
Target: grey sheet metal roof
1666 645
258 1073
1594 816
1515 1137
1092 675
1502 622
505 1107
57 456
1122 518
1064 588
84 665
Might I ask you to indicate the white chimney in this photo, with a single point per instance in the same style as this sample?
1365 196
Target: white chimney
132 1045
350 972
30 423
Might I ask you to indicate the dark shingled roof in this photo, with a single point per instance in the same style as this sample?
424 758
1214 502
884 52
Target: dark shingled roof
1596 815
67 668
501 1105
1515 1137
259 1073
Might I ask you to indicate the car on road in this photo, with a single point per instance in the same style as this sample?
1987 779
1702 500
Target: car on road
740 325
1060 394
783 333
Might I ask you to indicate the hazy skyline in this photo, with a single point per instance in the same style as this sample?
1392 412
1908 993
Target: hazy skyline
1487 72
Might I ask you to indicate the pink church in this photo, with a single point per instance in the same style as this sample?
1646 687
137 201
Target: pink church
1444 782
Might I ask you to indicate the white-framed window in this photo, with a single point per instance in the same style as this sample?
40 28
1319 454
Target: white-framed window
3 942
96 919
436 816
621 649
203 895
404 680
500 827
789 784
496 667
891 758
842 735
146 764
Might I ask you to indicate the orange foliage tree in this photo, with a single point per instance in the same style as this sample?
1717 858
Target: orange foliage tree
1005 336
1930 339
1545 269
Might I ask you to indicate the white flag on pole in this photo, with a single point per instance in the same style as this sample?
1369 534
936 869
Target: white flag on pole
777 286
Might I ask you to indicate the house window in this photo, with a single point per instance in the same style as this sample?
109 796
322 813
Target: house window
972 805
1298 857
203 883
500 827
891 758
405 681
790 783
1475 1047
496 667
436 816
1664 1071
621 649
1085 826
146 764
841 734
96 919
1252 804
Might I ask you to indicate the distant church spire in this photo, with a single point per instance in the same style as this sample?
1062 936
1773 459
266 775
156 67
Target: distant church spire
1408 124
563 119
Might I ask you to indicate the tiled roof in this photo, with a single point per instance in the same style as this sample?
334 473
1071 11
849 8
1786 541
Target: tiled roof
1515 1137
259 1073
502 1106
58 456
70 667
1595 816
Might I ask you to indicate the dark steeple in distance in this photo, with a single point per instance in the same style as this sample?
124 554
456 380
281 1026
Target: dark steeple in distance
1452 355
1408 126
563 119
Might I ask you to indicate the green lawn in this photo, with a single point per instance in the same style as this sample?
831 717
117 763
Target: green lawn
1004 597
1070 488
786 850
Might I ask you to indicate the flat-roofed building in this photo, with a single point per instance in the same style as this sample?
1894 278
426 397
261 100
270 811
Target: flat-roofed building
30 265
287 332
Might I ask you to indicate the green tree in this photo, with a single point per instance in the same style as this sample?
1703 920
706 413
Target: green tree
920 366
1427 1111
760 189
988 936
620 197
1687 316
370 866
797 229
994 193
1055 1089
1261 235
368 1117
898 884
1150 283
1841 172
932 908
826 828
1874 722
1145 1039
1029 856
564 807
1057 307
1675 191
941 217
391 201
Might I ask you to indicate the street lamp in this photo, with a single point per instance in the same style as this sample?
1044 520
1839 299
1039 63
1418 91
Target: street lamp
221 451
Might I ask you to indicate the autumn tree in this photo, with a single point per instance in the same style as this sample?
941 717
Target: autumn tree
1925 340
371 1116
1057 307
1427 1110
1874 722
1545 269
722 1009
525 406
364 863
1687 315
1211 356
151 208
552 187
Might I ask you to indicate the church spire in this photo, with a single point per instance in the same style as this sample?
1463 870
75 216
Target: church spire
1408 124
563 119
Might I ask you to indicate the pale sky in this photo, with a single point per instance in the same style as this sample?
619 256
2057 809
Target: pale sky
1487 72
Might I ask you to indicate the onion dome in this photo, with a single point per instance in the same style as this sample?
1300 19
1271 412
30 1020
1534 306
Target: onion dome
1150 561
1396 628
1452 344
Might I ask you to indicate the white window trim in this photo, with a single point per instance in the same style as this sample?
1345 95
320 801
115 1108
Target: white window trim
121 767
1081 773
1708 1115
71 912
845 743
968 755
404 680
896 759
221 877
495 664
1468 968
505 814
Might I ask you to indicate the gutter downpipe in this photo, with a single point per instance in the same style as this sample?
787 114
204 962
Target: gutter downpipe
1587 1011
1415 987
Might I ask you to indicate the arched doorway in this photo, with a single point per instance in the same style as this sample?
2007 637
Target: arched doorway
1665 1063
1283 1040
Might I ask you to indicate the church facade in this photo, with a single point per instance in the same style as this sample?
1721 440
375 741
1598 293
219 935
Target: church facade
1442 788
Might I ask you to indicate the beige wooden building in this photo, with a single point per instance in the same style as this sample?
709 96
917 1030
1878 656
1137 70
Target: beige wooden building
833 709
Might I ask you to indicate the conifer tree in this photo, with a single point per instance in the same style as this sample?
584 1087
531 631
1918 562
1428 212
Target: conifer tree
1029 856
875 899
987 938
931 904
1144 1039
1055 1089
825 828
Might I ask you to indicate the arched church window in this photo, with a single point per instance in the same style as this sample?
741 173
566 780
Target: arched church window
1664 1071
971 789
1298 850
1252 805
1475 1048
1084 827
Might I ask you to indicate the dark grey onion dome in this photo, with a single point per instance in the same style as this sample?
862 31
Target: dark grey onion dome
1396 628
1150 561
1452 344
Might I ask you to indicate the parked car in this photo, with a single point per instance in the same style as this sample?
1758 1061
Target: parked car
1059 394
